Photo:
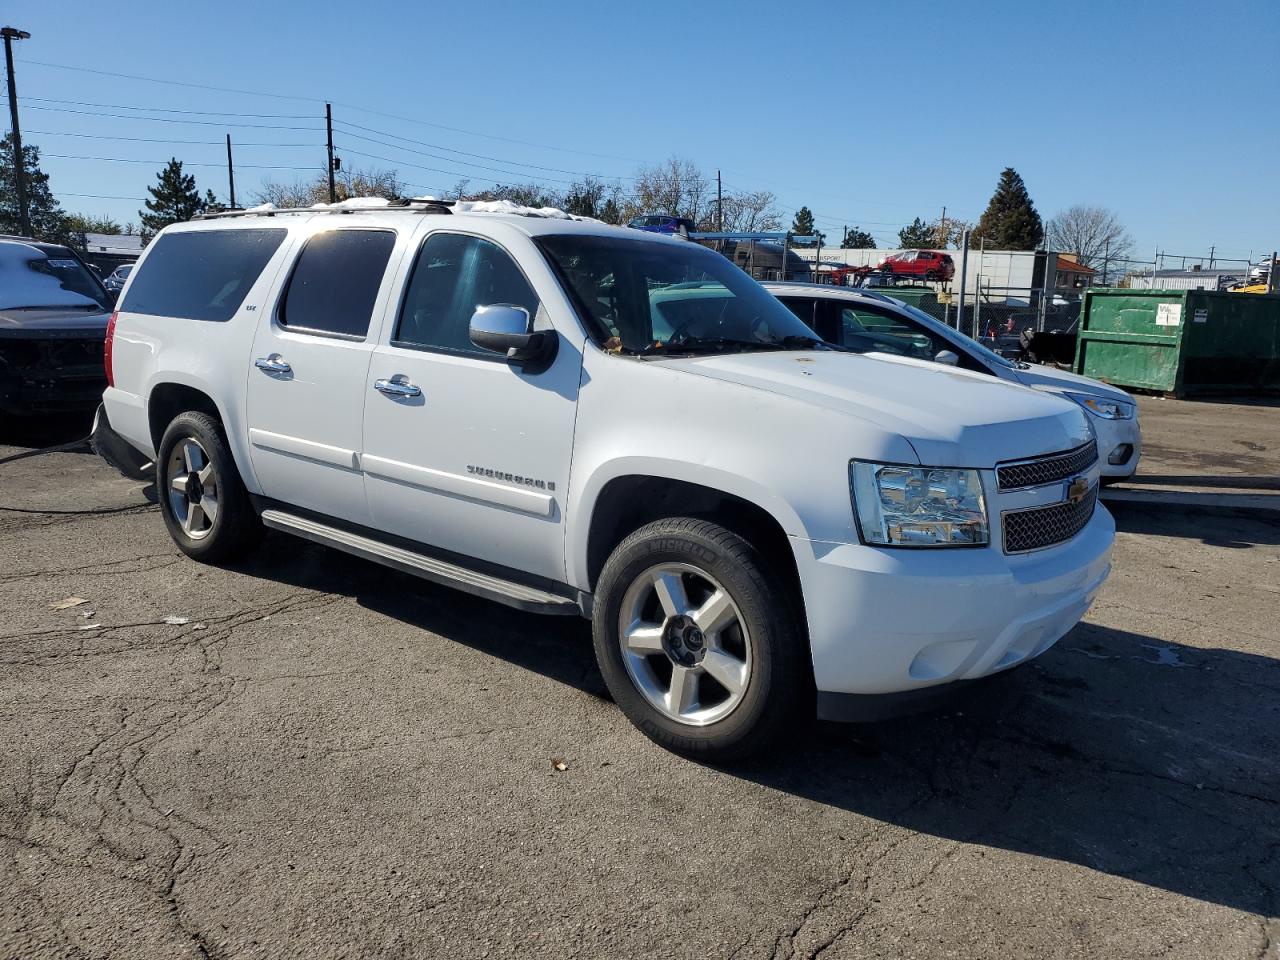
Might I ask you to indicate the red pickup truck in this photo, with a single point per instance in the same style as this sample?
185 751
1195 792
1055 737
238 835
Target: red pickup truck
928 264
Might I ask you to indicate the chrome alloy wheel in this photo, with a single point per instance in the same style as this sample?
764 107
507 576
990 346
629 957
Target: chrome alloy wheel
685 644
192 488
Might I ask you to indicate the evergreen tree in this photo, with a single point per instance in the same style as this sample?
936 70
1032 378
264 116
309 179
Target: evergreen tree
858 239
48 222
174 199
211 203
802 225
1010 221
917 235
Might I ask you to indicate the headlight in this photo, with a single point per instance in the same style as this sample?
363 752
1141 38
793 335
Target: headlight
1103 407
918 506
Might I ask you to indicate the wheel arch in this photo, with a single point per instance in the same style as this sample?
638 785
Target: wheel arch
169 396
629 500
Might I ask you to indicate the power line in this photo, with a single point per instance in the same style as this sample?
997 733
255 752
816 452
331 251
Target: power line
201 123
203 113
336 103
214 143
185 163
480 156
99 196
478 166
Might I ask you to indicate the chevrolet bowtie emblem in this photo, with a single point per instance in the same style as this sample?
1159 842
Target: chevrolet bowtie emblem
1077 489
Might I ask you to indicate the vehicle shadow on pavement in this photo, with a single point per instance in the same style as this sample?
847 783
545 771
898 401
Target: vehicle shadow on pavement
556 647
1130 755
1225 527
1125 753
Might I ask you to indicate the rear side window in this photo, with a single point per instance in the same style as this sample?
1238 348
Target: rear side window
335 282
201 275
455 274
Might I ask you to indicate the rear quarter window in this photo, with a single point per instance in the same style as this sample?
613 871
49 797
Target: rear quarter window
201 275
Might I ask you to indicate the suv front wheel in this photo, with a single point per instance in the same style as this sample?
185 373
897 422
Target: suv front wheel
699 642
204 503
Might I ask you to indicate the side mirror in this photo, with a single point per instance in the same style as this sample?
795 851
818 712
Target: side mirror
949 357
507 329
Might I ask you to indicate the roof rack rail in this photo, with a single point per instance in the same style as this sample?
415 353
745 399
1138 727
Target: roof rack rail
398 205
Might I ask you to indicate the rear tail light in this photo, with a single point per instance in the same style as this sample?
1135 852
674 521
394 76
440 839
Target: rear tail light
106 348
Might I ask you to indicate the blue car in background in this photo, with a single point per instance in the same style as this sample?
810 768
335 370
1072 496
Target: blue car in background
661 223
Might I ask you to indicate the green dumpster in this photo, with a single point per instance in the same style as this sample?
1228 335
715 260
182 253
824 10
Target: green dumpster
1180 341
922 298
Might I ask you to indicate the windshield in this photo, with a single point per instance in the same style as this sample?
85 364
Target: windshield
650 298
971 344
31 279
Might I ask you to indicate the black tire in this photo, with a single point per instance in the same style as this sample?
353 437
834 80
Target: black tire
235 528
778 698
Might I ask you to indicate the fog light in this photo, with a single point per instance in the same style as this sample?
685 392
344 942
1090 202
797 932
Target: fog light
1120 454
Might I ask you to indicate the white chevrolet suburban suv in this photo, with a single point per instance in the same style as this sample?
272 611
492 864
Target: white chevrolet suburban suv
573 418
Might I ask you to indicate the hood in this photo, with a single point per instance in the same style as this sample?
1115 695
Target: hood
1051 378
952 418
54 322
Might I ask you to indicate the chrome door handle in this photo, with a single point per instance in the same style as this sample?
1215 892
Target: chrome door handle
273 364
397 388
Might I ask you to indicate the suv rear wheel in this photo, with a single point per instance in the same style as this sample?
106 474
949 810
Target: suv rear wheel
699 642
204 503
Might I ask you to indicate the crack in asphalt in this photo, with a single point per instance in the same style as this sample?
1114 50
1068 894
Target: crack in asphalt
100 806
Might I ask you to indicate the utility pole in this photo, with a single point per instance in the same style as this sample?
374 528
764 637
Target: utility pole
19 161
719 203
964 271
1106 262
328 122
1273 275
231 174
942 230
1211 249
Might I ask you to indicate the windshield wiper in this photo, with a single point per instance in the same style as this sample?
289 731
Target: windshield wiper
711 344
798 341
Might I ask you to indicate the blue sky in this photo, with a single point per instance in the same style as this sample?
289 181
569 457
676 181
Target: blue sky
870 114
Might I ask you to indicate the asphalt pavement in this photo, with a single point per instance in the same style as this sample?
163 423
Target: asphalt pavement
306 755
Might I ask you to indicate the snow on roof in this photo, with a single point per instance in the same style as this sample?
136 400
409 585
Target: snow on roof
511 208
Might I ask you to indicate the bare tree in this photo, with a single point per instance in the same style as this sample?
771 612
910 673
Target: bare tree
1093 234
676 187
347 184
750 211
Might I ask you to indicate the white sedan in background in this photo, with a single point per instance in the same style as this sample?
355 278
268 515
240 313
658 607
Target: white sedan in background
874 323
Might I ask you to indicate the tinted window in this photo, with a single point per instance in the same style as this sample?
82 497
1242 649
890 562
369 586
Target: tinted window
201 275
453 275
336 281
801 307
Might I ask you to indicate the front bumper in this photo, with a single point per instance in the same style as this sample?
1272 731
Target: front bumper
50 374
885 621
1112 436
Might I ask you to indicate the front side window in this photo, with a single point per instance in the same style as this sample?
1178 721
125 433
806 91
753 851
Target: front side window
201 274
870 331
335 282
453 275
653 297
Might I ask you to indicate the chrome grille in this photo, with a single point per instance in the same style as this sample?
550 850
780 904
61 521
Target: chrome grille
1047 469
1044 526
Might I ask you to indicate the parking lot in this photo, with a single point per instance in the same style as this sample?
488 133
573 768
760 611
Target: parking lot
308 755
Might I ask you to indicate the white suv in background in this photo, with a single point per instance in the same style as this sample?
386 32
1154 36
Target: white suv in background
555 415
869 322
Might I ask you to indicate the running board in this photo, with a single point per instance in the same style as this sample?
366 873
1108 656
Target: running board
516 595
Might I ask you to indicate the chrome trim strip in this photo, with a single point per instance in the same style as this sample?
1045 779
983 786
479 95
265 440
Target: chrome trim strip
472 488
